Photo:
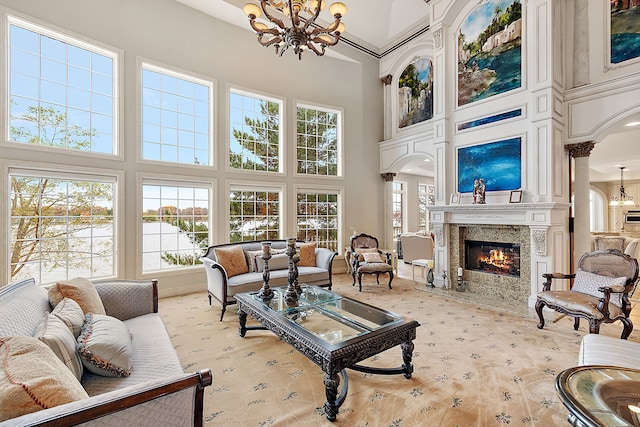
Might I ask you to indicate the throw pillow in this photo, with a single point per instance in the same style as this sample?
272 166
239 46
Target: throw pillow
362 251
33 378
232 260
71 314
58 337
307 254
105 346
588 283
251 259
602 243
277 262
372 257
80 290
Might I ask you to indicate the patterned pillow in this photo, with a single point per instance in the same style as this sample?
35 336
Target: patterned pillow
232 260
588 283
362 251
105 346
58 337
80 290
307 254
33 378
372 257
251 259
606 242
71 314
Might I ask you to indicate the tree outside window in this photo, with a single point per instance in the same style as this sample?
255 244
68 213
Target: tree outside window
254 215
317 219
317 141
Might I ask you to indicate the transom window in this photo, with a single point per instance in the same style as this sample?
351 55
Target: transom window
317 218
175 224
254 214
176 117
61 90
255 134
317 149
62 226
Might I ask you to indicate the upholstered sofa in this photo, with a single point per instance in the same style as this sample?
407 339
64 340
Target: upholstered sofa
157 391
416 246
227 277
626 244
596 349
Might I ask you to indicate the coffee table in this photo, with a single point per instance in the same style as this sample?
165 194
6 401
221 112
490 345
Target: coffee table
333 331
602 396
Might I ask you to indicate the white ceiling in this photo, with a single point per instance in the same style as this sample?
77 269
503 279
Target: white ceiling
380 25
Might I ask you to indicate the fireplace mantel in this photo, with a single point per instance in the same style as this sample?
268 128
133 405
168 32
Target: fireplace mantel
531 214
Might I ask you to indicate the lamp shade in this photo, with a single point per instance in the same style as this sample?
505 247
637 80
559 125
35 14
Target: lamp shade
340 28
252 9
338 8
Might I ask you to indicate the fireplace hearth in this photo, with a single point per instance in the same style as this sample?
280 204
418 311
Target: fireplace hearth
492 257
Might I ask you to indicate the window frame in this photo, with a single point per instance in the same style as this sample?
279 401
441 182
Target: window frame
403 205
255 186
282 152
144 63
339 135
143 178
76 173
9 18
338 191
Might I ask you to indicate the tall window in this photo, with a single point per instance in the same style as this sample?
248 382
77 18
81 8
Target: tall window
175 225
399 189
597 206
255 138
317 218
176 117
62 226
317 145
423 213
254 214
61 90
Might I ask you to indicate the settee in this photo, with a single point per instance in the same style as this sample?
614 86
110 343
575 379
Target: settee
416 246
233 268
156 391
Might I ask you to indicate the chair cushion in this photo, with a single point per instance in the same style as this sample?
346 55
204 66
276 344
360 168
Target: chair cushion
588 283
105 346
80 290
307 254
58 337
33 378
576 302
232 260
375 267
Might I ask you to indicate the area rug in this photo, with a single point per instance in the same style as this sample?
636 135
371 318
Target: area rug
473 365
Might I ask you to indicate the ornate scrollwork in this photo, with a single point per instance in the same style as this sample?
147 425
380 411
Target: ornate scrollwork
439 233
437 38
539 240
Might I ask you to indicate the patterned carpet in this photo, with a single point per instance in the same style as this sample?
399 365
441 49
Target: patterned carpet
473 366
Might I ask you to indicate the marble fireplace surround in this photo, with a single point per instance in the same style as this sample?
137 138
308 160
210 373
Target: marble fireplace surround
537 227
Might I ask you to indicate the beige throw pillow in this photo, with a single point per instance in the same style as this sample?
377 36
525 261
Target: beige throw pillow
33 378
232 260
372 257
307 254
80 290
105 346
251 259
71 314
58 337
362 251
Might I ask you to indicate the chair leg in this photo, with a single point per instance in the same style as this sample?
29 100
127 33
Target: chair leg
378 278
390 279
576 324
224 308
539 306
353 273
360 282
628 327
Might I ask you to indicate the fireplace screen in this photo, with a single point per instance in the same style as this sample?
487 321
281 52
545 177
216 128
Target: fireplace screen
492 257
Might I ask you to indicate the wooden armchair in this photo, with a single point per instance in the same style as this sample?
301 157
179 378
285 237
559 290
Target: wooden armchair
366 258
600 292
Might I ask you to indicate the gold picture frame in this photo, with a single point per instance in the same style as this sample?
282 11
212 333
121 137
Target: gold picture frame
455 199
516 196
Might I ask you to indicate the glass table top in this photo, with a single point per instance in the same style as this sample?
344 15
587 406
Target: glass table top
605 395
327 315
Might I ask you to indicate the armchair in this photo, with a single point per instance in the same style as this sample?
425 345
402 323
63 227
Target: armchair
600 292
366 258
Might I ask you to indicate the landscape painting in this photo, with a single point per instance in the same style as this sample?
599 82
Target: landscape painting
489 51
415 93
625 30
498 163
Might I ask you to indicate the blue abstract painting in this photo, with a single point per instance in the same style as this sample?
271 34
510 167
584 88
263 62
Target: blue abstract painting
499 163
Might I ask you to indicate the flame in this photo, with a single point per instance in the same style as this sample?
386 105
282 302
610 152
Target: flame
496 257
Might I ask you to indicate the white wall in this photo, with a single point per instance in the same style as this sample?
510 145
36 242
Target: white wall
167 32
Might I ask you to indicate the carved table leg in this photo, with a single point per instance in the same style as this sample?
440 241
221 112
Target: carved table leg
331 383
407 355
242 317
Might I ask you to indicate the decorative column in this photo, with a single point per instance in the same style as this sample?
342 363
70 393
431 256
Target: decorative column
581 223
581 74
388 209
388 110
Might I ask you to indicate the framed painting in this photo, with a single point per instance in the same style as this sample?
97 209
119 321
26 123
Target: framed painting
415 93
489 50
498 163
625 31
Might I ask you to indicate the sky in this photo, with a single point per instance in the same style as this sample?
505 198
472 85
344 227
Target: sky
480 18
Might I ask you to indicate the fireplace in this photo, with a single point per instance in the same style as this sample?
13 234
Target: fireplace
492 257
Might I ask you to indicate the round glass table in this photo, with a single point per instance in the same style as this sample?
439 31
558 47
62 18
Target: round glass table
603 396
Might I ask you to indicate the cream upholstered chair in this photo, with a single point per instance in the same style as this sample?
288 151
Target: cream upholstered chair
600 292
366 258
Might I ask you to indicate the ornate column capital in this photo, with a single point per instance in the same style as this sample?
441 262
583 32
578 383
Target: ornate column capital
387 79
581 149
437 38
388 176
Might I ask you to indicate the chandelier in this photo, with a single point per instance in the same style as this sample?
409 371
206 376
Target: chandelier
621 198
295 26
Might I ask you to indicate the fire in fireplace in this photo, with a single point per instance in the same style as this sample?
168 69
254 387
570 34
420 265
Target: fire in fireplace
492 257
